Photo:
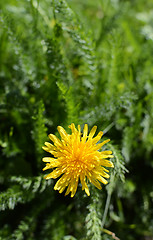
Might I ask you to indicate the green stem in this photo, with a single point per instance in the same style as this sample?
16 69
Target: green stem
106 209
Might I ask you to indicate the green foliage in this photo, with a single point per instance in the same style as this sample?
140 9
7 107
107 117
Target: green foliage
23 229
19 193
39 130
71 108
119 164
93 218
64 61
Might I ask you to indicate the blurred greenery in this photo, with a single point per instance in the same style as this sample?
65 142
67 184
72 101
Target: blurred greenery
64 61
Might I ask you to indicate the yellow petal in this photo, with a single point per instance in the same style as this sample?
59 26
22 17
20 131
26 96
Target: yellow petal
54 174
92 132
74 185
99 145
48 159
85 131
97 138
62 132
96 183
106 163
49 145
79 129
106 152
56 141
68 190
87 190
72 127
106 156
61 183
100 171
101 179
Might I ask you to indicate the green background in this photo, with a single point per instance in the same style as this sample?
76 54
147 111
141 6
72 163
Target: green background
77 61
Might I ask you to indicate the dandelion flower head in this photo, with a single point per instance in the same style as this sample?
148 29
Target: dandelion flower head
77 158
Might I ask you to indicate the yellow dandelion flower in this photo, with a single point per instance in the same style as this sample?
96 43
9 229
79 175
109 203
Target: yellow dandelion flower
76 157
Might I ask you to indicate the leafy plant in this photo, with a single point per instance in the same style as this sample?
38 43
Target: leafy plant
64 61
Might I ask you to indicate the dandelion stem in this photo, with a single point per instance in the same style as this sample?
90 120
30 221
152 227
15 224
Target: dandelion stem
106 209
